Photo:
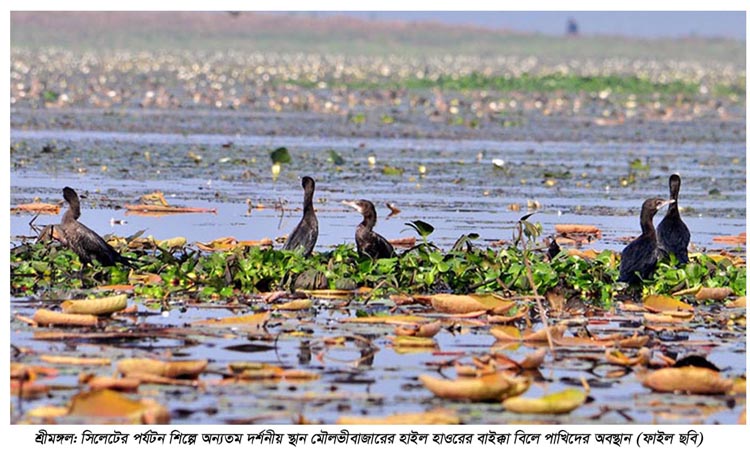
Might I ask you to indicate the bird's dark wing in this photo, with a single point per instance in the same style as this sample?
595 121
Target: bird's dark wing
305 235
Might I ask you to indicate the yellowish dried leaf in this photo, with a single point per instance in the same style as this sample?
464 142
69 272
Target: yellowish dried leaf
689 379
557 403
75 361
295 305
438 416
414 341
47 413
387 319
668 317
491 387
660 303
534 359
617 357
462 304
246 321
738 303
713 293
47 317
96 306
104 403
169 369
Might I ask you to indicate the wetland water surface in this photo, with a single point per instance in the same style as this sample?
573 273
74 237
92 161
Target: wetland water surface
460 190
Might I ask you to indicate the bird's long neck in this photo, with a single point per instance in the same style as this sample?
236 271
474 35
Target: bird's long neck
307 206
369 219
674 193
647 223
73 212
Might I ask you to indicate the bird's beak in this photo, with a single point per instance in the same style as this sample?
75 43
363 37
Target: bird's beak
353 205
666 202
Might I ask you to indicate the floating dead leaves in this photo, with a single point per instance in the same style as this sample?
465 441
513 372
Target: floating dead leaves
166 372
47 317
492 387
575 234
556 403
37 207
739 239
154 204
687 379
412 344
403 242
614 356
506 333
253 321
230 243
713 293
438 416
424 330
387 319
263 371
101 404
465 304
96 306
294 305
662 303
140 243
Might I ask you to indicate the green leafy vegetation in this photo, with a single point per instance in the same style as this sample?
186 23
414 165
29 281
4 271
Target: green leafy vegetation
39 269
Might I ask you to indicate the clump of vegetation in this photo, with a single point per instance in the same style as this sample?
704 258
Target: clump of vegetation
43 268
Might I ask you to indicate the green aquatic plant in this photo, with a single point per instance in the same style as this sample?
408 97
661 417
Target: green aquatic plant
40 268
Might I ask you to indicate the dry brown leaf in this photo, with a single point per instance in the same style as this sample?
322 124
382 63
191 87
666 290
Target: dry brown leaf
577 229
146 208
631 307
534 359
75 361
104 403
690 379
713 293
295 305
738 303
116 384
37 207
413 341
520 314
660 303
438 416
668 317
28 389
462 304
404 242
491 387
47 414
96 306
387 319
245 321
47 317
739 239
557 403
169 369
617 357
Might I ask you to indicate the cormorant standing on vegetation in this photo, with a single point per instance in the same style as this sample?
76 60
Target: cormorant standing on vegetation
642 253
369 243
673 235
87 244
306 233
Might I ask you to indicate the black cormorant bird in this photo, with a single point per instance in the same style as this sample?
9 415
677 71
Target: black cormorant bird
306 233
642 253
87 244
369 243
673 235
